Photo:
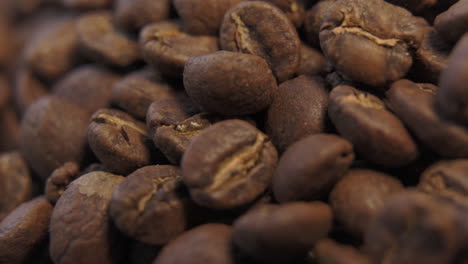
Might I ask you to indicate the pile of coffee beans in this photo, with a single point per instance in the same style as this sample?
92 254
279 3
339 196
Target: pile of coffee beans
234 131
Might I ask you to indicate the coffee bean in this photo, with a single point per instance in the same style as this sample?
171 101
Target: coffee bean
262 29
28 89
8 43
86 4
376 134
453 23
310 167
5 92
286 231
413 104
53 132
119 141
358 197
9 130
132 15
59 180
80 222
312 61
228 165
149 206
294 9
384 32
230 83
15 182
328 251
415 6
24 230
313 21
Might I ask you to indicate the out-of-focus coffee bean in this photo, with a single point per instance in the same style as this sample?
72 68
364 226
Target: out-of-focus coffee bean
453 23
28 89
312 61
87 4
59 180
5 92
328 251
415 6
132 15
9 130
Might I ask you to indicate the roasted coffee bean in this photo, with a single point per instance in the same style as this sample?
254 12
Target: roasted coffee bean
286 231
86 4
119 141
453 23
80 222
294 9
136 91
452 97
384 32
87 86
262 29
413 104
328 251
28 89
313 21
5 92
165 46
15 182
100 41
299 109
358 197
414 227
148 205
203 17
59 180
447 179
415 6
24 231
310 167
230 83
53 132
9 130
8 43
228 165
376 134
312 61
93 167
132 15
209 243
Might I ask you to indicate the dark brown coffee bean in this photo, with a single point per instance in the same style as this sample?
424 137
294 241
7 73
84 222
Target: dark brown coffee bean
386 33
376 134
230 83
203 17
87 86
132 15
5 92
165 46
299 109
415 6
148 205
286 231
262 29
413 104
453 23
25 7
228 165
59 180
87 4
312 61
53 132
28 89
448 180
313 21
15 182
294 9
310 167
100 41
414 228
8 43
93 167
452 97
136 91
119 141
24 230
9 130
81 222
328 251
209 243
358 197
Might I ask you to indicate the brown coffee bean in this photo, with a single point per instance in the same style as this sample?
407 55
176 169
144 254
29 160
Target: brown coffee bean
9 130
299 109
310 167
25 7
136 91
413 104
358 197
86 4
53 132
87 86
294 9
15 182
148 205
312 61
80 222
230 83
101 42
203 17
286 231
228 165
28 89
165 46
59 180
262 29
386 33
328 251
93 167
119 141
313 21
132 15
8 43
24 231
447 179
452 97
415 6
414 228
209 243
376 134
453 23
